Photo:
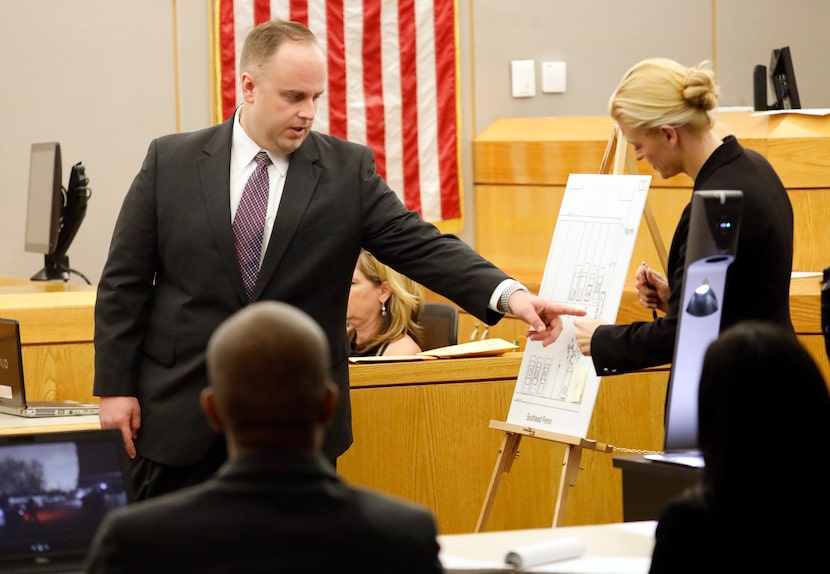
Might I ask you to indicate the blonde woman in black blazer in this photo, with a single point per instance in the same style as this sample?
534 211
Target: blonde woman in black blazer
667 112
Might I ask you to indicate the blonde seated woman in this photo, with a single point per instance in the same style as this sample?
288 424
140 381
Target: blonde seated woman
383 310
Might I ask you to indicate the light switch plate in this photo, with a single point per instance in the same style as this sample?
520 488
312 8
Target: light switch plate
523 78
554 77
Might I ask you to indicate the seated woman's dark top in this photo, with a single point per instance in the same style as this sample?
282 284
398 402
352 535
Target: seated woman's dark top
372 352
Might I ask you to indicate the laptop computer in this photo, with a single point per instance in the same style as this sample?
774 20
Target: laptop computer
689 457
12 385
55 488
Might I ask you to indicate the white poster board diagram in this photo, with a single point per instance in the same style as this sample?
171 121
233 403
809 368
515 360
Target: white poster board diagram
587 265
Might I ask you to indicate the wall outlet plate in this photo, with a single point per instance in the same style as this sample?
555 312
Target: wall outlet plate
554 77
523 78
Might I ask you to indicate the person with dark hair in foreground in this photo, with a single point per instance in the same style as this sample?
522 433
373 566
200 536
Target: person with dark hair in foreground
763 504
277 504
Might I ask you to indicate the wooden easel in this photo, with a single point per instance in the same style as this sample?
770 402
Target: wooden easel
509 451
623 161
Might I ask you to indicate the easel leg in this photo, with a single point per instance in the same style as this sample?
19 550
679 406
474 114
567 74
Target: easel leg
508 452
570 469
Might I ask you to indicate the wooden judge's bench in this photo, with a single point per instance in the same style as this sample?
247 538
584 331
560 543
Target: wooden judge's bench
521 167
422 429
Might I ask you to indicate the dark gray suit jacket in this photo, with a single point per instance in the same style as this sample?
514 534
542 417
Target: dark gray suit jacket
269 512
172 277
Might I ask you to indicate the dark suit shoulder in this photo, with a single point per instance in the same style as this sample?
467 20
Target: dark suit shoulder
201 135
327 148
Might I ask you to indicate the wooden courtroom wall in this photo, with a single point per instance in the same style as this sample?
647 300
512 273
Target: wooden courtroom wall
56 328
521 167
422 433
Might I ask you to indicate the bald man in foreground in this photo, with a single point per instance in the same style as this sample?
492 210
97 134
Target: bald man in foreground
277 504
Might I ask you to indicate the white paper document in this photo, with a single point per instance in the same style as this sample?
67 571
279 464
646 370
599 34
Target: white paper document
623 548
598 565
585 565
587 266
545 552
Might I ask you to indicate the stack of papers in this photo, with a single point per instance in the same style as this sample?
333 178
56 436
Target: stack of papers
482 348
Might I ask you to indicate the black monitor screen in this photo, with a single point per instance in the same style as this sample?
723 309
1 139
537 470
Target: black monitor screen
45 200
782 76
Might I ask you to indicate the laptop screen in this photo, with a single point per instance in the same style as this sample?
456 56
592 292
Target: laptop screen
11 364
54 490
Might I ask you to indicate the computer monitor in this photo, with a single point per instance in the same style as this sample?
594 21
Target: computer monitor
45 199
782 80
53 214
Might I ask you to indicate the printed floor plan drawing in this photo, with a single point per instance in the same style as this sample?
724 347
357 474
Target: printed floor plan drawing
587 265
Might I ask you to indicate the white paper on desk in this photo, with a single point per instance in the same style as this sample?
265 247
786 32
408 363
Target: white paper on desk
458 565
598 565
525 557
799 111
803 274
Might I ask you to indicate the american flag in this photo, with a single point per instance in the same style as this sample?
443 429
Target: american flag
392 78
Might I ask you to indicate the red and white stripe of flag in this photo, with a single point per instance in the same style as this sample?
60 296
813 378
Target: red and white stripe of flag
392 78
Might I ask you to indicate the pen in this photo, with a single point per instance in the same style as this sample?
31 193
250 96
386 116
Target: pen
653 310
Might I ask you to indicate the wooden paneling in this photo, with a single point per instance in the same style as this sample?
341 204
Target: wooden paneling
59 372
521 166
422 433
811 239
56 329
515 225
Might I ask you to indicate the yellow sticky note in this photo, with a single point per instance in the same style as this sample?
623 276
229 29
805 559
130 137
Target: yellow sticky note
577 385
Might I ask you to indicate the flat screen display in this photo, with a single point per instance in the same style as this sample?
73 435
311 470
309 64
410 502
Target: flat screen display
45 200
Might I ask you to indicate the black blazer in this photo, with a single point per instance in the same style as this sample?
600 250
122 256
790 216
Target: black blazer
269 512
171 276
757 282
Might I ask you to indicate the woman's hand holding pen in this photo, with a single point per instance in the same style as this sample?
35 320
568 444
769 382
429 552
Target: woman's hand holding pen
652 289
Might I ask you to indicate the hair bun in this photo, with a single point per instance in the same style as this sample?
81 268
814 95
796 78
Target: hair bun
700 90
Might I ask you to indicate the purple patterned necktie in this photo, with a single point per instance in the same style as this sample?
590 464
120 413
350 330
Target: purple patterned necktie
249 222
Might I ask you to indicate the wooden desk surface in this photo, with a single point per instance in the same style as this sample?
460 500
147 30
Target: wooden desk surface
477 369
10 424
630 540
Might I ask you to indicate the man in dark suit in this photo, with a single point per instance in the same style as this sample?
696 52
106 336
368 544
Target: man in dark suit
277 505
173 275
